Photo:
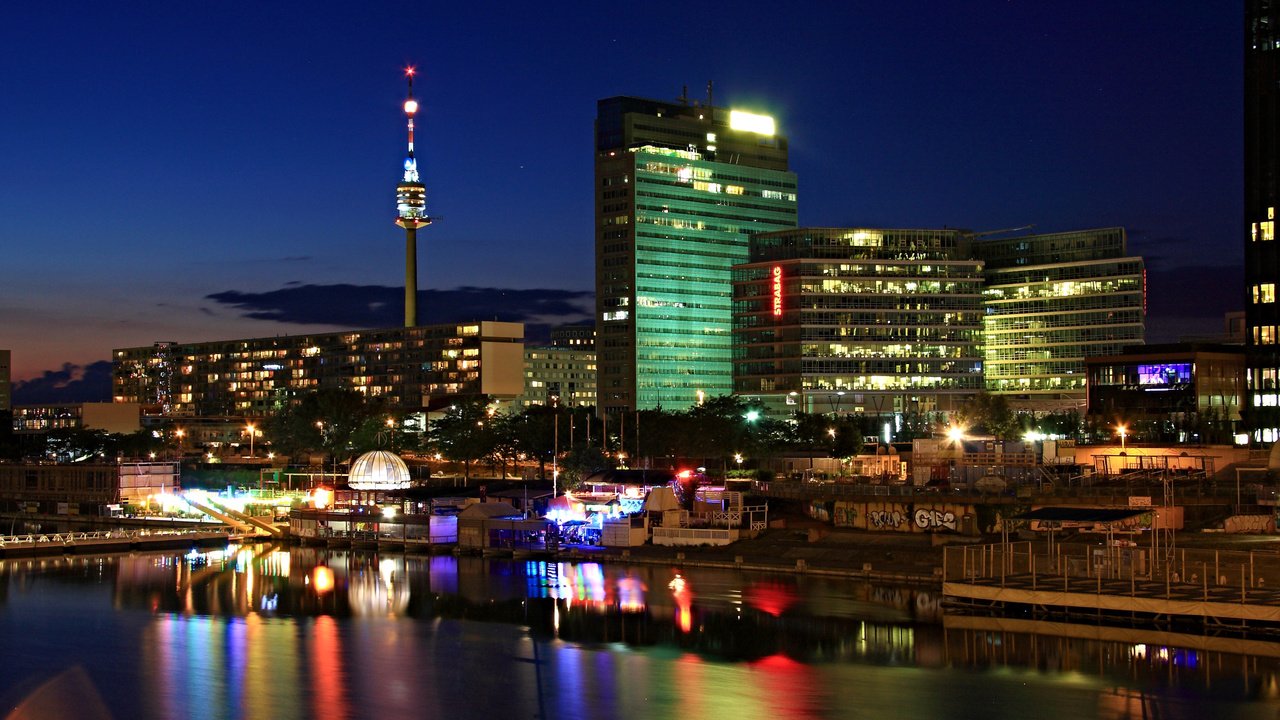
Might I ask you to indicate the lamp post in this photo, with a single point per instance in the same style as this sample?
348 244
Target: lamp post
180 433
555 452
1123 432
252 431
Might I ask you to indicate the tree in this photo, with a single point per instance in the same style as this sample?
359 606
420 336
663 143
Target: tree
987 413
465 433
337 421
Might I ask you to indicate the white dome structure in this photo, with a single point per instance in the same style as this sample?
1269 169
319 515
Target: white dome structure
378 470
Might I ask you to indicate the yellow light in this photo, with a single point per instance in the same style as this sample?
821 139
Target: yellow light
751 122
323 581
955 433
410 106
320 498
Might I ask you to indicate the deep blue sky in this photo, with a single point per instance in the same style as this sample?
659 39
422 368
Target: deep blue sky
155 154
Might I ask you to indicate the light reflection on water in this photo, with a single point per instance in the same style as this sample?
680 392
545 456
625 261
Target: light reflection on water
263 632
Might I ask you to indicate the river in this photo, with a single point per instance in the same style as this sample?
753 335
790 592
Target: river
277 632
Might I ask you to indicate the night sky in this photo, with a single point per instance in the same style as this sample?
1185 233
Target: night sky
204 171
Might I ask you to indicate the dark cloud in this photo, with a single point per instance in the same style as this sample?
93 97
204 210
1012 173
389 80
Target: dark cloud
73 383
373 306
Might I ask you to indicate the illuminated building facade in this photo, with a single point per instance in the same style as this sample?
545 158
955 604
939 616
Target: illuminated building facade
1192 392
122 418
575 337
1050 302
412 369
679 189
561 372
5 381
1261 198
856 320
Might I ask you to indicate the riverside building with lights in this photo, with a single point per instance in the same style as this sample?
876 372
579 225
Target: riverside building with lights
1050 302
413 369
1261 198
857 320
679 188
883 322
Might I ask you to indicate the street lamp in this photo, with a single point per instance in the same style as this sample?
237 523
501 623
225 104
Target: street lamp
555 453
252 431
181 434
1123 432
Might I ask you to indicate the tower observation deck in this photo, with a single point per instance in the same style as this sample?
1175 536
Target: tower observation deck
411 208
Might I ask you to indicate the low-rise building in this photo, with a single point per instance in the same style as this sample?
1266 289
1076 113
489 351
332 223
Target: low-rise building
1183 392
413 369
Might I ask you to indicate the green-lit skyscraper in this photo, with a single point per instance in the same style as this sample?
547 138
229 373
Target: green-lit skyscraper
679 188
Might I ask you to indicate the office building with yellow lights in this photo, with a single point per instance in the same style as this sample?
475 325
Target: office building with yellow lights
883 322
1051 301
858 320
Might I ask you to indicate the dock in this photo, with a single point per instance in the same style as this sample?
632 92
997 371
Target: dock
1156 586
103 541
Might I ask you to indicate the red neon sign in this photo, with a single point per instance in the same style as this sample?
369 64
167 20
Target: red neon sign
777 290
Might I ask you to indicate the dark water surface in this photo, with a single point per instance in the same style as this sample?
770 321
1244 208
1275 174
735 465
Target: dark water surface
271 633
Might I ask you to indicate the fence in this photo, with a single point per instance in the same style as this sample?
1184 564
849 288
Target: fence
1159 572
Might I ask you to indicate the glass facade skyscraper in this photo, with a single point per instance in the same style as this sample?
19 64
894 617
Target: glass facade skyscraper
1261 198
679 189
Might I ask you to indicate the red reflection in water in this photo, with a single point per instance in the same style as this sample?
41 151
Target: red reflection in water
770 597
328 682
789 687
683 596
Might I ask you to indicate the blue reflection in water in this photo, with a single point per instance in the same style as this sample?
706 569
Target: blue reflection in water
168 637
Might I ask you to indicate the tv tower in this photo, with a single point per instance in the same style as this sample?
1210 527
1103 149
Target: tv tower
411 205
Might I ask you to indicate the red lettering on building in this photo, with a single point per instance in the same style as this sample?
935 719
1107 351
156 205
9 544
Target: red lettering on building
777 290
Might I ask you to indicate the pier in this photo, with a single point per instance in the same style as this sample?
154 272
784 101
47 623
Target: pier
1158 586
102 541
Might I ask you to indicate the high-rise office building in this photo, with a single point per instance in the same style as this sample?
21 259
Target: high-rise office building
858 320
1052 301
885 321
1261 198
679 188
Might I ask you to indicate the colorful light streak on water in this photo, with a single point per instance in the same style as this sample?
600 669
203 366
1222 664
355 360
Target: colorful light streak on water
178 637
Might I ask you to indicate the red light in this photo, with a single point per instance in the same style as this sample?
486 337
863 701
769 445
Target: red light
409 70
684 473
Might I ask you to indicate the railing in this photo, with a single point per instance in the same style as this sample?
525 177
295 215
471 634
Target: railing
1134 571
71 538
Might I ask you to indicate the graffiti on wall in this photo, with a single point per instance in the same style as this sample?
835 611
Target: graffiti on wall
888 516
933 518
846 514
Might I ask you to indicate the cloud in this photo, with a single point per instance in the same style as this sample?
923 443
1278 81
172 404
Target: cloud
377 306
72 383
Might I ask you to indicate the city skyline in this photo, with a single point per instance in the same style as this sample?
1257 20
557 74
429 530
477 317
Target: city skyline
214 194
